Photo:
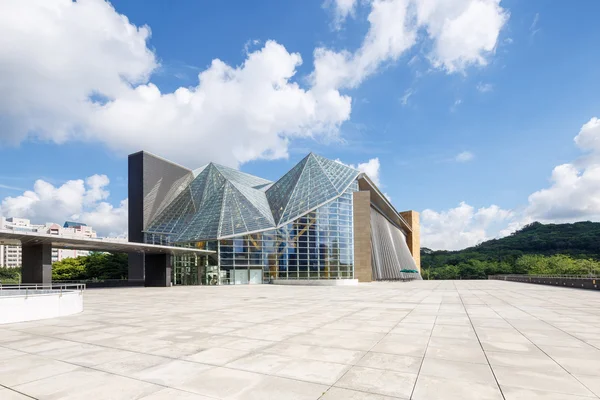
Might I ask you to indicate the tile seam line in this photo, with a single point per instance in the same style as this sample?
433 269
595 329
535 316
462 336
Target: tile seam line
403 318
163 386
479 341
16 391
540 349
412 393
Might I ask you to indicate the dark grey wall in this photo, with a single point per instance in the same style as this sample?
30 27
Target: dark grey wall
158 270
153 183
136 214
36 263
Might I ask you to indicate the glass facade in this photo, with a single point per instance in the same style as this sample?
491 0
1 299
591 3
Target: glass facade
318 245
299 227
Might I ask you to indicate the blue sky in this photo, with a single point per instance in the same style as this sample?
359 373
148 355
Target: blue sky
512 109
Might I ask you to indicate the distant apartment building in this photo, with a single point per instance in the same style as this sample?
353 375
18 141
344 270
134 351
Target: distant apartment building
10 256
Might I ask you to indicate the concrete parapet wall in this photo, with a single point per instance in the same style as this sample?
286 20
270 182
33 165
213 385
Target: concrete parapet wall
32 307
580 283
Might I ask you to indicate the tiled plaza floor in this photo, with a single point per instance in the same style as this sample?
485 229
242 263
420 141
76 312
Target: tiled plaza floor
421 340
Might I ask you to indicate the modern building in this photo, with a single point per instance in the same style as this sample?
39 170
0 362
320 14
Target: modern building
11 255
321 220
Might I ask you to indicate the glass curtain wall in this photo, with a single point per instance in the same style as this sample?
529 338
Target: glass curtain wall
318 245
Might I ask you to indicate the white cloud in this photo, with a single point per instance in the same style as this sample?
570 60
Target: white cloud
406 96
462 32
342 9
464 156
484 87
588 138
573 195
254 108
54 54
79 71
371 168
455 105
462 226
77 200
533 29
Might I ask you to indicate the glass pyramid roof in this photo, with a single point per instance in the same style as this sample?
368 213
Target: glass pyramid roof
312 182
221 202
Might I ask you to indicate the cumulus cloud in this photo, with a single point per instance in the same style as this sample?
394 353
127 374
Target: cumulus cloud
573 195
462 226
462 33
371 168
80 71
464 156
79 200
255 109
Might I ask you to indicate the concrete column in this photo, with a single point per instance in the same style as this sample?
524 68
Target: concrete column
36 263
361 212
136 267
158 270
413 239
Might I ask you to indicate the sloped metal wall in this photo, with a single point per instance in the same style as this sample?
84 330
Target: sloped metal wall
390 252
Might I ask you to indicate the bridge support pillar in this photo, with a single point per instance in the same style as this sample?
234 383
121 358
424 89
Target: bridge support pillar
158 269
36 263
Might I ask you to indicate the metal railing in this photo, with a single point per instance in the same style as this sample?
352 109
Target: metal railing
24 289
525 276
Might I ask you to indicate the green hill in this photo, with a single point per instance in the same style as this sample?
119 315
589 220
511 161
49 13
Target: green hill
536 248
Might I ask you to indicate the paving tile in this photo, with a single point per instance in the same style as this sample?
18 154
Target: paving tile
171 394
336 393
225 383
527 361
556 382
8 394
391 362
403 345
173 373
29 368
436 388
454 331
319 353
510 347
84 383
515 393
295 342
128 366
457 370
288 367
216 356
7 354
591 382
378 381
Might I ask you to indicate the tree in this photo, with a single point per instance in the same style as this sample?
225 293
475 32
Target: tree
69 269
93 266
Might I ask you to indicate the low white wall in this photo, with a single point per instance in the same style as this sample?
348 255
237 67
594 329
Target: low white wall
39 306
316 282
